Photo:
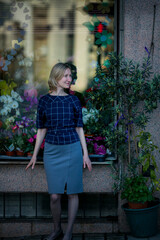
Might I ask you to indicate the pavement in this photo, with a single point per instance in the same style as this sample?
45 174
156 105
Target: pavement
106 236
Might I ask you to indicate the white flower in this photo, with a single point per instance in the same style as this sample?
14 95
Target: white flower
11 119
14 94
9 99
3 98
7 108
17 112
15 104
4 112
21 126
19 99
92 113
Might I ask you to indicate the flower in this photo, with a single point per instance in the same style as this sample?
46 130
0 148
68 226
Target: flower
3 98
99 149
11 119
31 140
89 114
103 38
4 112
96 145
14 94
14 104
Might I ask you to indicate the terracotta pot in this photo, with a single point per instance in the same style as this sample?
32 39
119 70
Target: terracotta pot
137 205
19 153
12 153
29 154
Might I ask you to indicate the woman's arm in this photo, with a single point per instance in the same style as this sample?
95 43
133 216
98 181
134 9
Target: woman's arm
86 160
39 139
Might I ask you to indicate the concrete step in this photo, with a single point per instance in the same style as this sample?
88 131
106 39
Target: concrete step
85 236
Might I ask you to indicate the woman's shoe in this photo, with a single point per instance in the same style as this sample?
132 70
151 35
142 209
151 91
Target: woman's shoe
56 237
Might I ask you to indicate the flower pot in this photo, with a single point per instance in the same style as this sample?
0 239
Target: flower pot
19 153
139 205
10 153
29 154
143 222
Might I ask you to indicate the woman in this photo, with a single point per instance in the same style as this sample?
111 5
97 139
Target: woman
59 121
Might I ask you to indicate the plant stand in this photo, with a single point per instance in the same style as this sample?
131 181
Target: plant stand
143 222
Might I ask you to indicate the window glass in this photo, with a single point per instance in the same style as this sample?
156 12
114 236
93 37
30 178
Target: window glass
35 35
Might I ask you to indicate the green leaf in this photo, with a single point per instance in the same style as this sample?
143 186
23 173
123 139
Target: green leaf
89 26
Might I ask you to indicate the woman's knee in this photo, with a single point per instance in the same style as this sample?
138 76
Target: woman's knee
55 197
72 196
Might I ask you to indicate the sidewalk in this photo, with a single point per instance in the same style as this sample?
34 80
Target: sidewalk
87 236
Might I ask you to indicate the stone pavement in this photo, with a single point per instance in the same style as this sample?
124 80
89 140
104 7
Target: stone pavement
77 237
106 236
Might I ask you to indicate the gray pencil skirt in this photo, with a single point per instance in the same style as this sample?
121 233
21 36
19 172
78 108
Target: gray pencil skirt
64 167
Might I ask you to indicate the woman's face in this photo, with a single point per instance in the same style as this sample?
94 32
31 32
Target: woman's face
66 80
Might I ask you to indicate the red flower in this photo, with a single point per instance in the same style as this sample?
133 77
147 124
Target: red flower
89 90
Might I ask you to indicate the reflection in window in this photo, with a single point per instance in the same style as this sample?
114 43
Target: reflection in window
34 35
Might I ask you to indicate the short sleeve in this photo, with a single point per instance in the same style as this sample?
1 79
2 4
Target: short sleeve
78 113
41 116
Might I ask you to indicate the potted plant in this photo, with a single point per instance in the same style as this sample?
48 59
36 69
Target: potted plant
9 146
125 94
19 143
142 207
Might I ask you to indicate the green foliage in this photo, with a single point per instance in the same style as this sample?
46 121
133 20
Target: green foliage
135 189
147 156
7 88
125 94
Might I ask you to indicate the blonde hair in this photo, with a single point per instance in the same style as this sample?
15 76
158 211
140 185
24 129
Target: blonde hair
56 74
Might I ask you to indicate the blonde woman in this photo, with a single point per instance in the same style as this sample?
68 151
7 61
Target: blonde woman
59 121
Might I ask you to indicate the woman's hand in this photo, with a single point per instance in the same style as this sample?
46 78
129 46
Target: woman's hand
32 162
87 161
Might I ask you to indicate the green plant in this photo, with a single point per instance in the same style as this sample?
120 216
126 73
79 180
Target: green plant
133 184
135 189
19 141
146 156
124 95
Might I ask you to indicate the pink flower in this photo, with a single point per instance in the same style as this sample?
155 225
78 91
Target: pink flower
31 140
35 136
98 138
30 92
88 140
99 149
15 127
42 145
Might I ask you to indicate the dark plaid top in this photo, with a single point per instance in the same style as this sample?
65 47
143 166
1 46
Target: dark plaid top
60 115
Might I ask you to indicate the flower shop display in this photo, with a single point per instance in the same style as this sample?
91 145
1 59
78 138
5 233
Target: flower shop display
10 104
17 116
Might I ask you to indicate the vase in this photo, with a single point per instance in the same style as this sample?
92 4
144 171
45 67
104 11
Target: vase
10 153
143 222
19 153
29 154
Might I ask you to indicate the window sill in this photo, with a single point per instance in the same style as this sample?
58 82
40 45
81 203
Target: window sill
16 160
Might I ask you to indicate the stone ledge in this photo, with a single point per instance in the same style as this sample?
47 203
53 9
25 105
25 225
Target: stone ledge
17 229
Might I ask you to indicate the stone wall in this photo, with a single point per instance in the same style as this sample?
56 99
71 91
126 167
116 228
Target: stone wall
138 28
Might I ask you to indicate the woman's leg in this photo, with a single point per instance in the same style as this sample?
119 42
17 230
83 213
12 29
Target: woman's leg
73 202
55 205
